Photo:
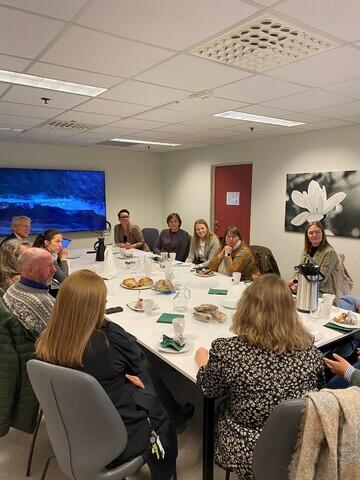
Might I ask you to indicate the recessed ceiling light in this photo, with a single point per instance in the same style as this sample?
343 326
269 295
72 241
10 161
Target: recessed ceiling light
145 142
10 129
249 117
49 83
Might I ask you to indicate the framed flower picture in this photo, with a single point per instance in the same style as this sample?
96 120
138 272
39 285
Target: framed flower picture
332 198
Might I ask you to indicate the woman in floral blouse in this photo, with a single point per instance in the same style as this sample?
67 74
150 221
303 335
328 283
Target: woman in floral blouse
271 358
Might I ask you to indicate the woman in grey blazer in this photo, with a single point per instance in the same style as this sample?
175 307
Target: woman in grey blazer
204 244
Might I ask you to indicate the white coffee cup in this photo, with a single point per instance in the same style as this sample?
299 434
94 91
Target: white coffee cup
325 310
179 327
148 305
172 256
328 298
236 276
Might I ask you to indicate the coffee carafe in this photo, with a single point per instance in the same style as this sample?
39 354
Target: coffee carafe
308 287
100 248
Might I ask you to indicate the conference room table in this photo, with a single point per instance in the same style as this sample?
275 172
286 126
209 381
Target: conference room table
197 333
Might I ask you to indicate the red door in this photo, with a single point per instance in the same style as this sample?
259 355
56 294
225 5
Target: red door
232 200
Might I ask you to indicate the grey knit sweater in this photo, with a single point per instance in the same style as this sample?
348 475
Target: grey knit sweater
32 306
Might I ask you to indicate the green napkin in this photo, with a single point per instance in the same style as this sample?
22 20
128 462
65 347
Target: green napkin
168 317
168 342
217 291
339 328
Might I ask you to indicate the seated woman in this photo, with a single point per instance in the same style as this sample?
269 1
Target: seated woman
173 239
51 240
234 256
127 234
204 244
271 358
9 254
319 251
78 337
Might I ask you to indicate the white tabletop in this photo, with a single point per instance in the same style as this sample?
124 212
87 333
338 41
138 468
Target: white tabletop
198 334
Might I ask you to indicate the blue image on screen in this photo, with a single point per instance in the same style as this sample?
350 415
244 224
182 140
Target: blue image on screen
67 200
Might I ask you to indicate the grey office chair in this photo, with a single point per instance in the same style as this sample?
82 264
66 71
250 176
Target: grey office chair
151 236
276 444
85 430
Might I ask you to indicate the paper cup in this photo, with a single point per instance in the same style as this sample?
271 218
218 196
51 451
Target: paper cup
328 298
236 278
325 310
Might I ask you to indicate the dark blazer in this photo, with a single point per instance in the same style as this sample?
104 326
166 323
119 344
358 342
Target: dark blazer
9 237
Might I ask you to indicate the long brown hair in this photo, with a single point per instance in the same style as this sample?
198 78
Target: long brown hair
78 311
195 241
48 235
266 317
324 241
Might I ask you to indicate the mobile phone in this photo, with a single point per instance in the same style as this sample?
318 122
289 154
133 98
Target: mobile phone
65 242
111 310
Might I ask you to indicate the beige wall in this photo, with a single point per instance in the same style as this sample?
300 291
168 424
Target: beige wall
133 179
187 185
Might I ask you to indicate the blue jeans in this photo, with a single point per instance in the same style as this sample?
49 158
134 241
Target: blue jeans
348 302
339 382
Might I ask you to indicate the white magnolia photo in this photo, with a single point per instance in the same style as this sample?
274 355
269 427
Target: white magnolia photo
332 198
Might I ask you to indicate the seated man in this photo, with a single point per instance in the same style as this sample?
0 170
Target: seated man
29 298
20 227
349 302
345 374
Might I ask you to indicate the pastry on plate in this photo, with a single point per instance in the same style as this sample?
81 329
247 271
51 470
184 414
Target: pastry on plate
130 283
145 282
164 286
203 317
346 318
218 316
206 307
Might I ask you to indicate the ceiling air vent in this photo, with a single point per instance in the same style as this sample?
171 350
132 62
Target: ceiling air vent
263 43
69 126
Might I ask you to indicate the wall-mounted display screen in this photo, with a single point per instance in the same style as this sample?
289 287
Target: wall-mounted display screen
68 200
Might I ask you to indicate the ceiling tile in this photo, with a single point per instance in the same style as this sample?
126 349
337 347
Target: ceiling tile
326 124
138 124
73 75
167 116
9 108
177 129
3 88
258 89
205 106
211 122
338 18
86 117
52 8
351 88
99 52
339 111
329 67
50 132
182 23
309 100
110 107
266 111
192 73
24 34
32 96
114 131
19 122
144 93
13 64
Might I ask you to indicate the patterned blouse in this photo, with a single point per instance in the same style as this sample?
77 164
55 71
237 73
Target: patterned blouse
241 260
253 381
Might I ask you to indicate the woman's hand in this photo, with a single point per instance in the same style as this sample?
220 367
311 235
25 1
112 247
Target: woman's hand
127 245
201 356
135 380
227 249
63 254
337 366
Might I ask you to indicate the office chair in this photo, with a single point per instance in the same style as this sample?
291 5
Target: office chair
151 236
275 447
85 430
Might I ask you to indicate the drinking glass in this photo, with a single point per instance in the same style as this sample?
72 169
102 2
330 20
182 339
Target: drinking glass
148 305
179 328
236 276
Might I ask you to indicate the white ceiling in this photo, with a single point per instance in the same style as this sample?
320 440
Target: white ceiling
140 51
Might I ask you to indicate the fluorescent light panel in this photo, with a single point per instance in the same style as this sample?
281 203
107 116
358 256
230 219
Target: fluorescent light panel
249 117
17 78
144 142
10 129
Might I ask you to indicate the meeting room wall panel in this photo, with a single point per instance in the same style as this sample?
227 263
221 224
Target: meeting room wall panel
133 179
272 158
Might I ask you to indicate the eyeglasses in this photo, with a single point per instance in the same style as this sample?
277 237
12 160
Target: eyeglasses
232 236
124 216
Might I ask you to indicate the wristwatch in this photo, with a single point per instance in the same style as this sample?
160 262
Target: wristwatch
228 254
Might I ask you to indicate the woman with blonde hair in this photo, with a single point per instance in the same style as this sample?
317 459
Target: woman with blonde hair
78 336
9 267
271 358
204 244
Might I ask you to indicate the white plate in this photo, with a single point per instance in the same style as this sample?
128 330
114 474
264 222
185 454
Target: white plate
202 275
230 303
131 305
136 288
345 325
172 350
166 292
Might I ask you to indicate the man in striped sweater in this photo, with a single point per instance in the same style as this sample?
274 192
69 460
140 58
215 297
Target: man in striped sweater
29 298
